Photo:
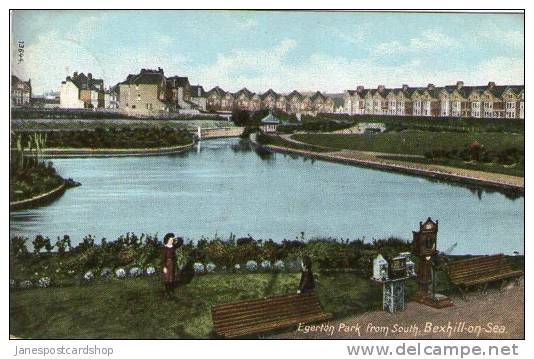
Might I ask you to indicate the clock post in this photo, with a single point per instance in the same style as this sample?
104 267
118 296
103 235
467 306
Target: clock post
424 243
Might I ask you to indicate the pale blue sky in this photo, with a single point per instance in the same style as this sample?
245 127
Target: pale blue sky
329 51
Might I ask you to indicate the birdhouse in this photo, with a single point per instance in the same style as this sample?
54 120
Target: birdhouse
397 267
410 265
380 268
424 241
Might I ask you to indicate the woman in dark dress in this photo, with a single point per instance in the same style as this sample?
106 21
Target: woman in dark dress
307 283
169 262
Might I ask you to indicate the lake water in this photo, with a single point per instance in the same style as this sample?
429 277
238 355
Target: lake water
223 188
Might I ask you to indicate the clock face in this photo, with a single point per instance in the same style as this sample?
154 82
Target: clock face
428 226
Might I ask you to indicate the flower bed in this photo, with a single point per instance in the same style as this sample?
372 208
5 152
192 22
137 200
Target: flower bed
136 256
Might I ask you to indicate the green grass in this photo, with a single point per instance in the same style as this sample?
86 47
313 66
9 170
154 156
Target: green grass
414 142
135 308
279 141
513 170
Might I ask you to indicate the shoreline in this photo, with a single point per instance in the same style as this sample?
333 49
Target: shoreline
114 152
451 174
39 199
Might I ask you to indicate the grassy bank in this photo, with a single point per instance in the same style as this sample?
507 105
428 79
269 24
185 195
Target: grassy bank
498 152
448 124
414 142
279 141
115 137
29 176
513 170
135 308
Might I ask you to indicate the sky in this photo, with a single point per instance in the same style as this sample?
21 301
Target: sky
306 51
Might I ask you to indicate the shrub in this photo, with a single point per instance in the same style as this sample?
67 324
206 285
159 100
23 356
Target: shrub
279 265
106 272
63 244
88 276
210 267
252 266
17 246
41 242
150 270
120 273
135 272
198 267
266 265
43 282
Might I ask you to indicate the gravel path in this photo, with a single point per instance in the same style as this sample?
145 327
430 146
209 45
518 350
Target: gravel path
494 315
370 159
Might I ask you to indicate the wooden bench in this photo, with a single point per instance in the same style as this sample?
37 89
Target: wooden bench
481 270
252 317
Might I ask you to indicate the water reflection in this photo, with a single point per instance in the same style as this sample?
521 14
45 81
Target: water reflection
224 186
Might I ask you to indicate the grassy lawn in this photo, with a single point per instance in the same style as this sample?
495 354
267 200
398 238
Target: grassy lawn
414 142
135 308
513 170
279 141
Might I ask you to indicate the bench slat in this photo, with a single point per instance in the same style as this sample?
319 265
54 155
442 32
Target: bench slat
254 318
251 302
259 315
481 270
261 328
264 304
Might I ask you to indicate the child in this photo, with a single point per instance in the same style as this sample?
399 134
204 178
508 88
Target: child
307 283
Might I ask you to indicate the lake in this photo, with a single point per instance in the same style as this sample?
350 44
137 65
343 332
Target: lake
222 187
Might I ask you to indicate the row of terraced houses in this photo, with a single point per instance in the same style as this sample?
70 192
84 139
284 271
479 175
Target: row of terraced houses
295 102
489 101
150 93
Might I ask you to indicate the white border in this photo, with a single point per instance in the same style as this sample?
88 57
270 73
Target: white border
249 348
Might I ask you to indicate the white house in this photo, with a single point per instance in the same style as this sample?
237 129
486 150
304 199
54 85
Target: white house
69 95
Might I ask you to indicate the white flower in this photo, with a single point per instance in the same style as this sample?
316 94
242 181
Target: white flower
266 265
279 265
106 272
25 284
120 273
88 275
135 272
210 267
43 282
198 267
12 283
237 267
252 265
150 270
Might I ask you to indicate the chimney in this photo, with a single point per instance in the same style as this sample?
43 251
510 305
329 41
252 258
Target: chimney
491 84
381 88
160 70
198 91
89 76
459 84
75 73
359 88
